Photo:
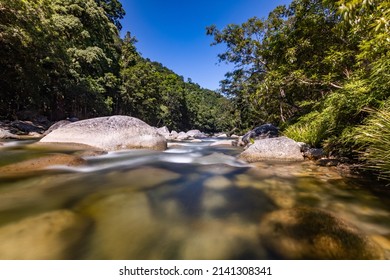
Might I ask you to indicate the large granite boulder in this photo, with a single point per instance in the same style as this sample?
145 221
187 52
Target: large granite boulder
109 134
311 233
279 148
56 126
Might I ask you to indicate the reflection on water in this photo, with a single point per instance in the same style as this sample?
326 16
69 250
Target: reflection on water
192 201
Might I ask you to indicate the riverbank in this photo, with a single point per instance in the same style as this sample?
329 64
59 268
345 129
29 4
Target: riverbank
31 130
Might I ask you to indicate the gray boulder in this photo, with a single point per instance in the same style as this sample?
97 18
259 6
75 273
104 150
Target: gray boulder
223 135
4 134
182 136
263 131
313 153
279 148
109 134
164 131
173 135
27 127
195 133
56 126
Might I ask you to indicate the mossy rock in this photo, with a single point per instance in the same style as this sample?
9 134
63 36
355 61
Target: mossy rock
310 233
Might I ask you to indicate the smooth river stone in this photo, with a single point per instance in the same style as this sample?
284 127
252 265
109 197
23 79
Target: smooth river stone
49 236
232 239
126 227
4 134
279 148
36 164
222 143
311 233
144 177
217 183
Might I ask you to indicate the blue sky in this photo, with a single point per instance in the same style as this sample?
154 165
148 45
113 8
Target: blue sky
173 32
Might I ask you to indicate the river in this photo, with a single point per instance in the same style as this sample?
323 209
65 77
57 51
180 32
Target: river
192 201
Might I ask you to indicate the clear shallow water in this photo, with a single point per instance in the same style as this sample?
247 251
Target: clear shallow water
192 201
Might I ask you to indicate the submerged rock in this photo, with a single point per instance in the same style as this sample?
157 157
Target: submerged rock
213 239
280 148
36 164
109 134
125 227
49 236
310 233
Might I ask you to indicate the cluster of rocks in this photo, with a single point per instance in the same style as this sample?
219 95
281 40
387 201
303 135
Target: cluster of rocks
180 136
22 129
124 132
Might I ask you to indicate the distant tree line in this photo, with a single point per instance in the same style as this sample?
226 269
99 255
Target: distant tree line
65 58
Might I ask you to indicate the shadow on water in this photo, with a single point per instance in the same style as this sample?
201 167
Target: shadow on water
190 193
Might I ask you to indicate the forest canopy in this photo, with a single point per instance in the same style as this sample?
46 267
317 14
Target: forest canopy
65 58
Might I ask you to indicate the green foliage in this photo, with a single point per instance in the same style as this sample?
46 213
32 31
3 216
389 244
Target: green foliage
59 57
311 129
316 67
113 10
65 57
373 138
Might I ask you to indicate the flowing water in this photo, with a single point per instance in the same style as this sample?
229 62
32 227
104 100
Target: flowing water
192 201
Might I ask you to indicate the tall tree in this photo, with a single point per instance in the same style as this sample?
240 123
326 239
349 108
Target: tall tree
60 57
114 11
280 62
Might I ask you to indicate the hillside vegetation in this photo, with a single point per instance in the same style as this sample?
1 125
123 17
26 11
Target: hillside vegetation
319 69
64 58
